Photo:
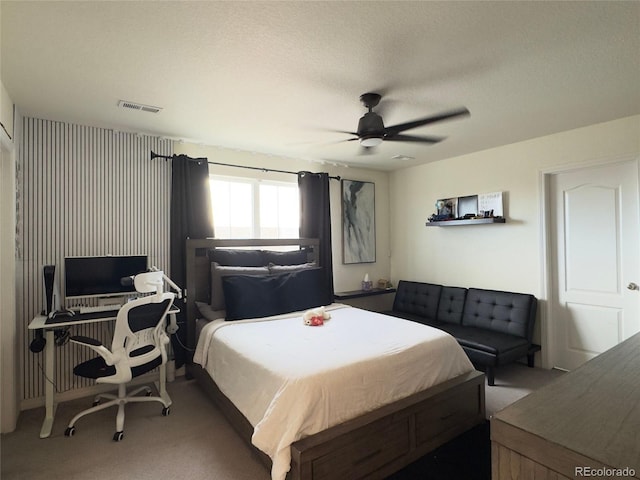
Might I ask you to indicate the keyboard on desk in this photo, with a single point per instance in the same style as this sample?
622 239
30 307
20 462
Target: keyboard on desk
95 315
78 316
59 319
100 308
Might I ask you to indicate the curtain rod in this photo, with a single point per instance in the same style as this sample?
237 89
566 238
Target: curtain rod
200 159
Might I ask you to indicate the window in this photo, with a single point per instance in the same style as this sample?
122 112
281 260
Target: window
252 208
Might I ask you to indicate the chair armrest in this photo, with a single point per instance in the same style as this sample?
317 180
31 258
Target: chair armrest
96 346
88 341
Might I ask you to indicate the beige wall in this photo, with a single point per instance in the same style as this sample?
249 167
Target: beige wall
346 277
509 256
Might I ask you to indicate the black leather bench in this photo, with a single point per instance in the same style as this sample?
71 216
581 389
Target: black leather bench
493 327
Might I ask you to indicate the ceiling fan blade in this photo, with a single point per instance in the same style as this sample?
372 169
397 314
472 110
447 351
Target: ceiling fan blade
395 129
342 131
336 142
355 137
413 138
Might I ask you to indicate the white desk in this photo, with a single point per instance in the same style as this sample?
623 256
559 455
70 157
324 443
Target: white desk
39 322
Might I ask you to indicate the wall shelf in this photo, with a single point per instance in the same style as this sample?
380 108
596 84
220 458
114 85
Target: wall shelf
471 221
487 208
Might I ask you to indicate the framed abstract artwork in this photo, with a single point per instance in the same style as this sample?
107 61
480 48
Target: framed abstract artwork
358 222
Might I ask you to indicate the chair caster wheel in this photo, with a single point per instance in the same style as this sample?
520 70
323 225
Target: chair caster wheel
118 436
70 431
166 411
96 403
148 393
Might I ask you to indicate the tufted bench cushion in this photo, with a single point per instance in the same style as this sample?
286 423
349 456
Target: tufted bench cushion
505 312
451 305
418 300
487 341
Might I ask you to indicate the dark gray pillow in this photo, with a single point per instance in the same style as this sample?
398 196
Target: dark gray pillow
219 271
209 313
256 297
277 269
250 297
237 258
304 289
294 257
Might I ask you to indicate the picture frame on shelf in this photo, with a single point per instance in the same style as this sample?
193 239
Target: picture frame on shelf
447 207
491 202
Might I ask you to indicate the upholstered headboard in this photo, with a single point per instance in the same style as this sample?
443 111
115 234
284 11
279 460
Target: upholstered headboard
201 252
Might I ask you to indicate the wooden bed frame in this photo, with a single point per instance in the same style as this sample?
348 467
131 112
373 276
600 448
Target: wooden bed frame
373 445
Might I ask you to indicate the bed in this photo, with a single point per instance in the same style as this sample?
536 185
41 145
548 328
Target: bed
360 397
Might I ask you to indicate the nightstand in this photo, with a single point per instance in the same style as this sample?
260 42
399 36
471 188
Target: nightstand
376 299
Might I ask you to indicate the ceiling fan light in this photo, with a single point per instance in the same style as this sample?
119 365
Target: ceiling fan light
370 141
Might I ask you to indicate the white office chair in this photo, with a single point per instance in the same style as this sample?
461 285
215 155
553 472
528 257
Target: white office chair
139 345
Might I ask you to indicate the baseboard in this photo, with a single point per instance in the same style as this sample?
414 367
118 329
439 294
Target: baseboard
88 391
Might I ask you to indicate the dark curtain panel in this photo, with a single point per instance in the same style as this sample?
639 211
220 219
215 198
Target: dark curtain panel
190 218
315 219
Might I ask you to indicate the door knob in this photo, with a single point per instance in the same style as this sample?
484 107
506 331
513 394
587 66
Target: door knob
633 286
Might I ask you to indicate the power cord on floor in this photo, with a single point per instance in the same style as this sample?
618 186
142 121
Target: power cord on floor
177 337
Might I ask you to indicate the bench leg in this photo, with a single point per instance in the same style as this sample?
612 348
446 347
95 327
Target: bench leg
490 376
531 354
531 360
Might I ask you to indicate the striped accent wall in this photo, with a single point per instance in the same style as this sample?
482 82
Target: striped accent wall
83 191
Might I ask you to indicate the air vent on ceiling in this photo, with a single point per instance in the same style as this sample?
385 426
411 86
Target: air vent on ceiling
402 157
138 106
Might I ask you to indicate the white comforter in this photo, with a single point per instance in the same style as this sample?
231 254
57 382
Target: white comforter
291 380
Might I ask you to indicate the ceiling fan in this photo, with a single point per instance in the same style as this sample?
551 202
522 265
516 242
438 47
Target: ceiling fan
372 132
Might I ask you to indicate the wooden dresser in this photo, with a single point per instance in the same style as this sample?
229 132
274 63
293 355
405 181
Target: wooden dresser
586 424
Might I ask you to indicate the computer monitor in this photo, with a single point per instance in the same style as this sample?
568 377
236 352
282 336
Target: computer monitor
100 276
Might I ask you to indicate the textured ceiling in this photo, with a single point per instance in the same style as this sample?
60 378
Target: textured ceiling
277 77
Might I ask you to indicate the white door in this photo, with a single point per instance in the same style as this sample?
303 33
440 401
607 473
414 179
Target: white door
596 244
